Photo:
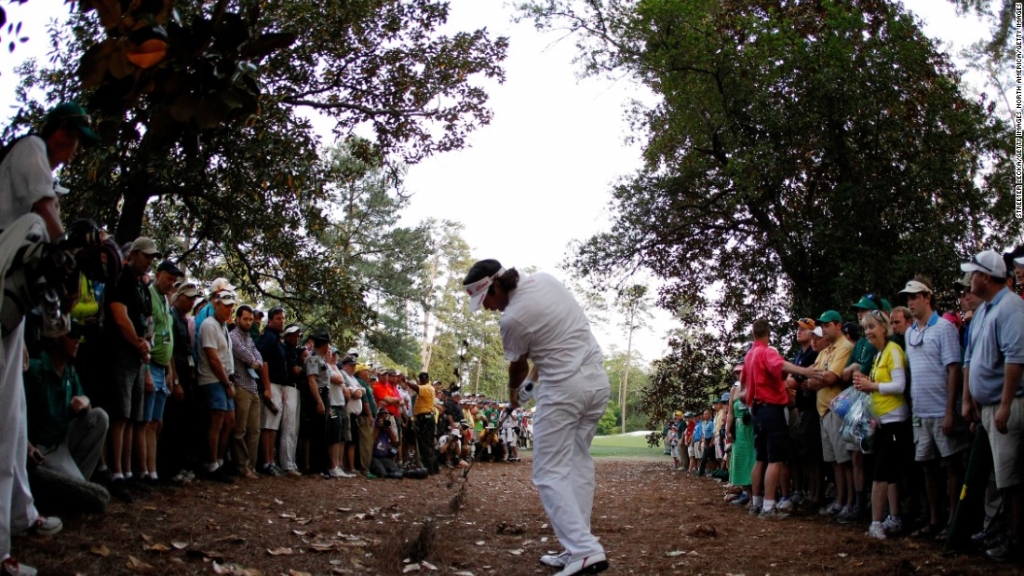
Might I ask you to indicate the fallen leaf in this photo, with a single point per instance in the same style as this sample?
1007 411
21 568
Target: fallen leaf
276 501
322 546
288 515
297 573
843 554
299 532
516 552
179 545
480 542
158 547
279 551
676 553
428 566
344 509
303 521
411 568
100 550
138 565
150 508
146 538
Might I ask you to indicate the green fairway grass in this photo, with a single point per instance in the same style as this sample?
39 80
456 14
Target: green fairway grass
623 446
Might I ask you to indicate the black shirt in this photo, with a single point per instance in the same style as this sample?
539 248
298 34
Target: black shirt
131 292
272 349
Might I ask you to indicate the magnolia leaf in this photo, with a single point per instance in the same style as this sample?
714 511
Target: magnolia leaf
100 550
279 551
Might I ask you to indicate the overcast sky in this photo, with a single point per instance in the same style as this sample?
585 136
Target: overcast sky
546 163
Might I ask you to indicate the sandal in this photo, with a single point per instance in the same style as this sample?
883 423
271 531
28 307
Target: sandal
928 531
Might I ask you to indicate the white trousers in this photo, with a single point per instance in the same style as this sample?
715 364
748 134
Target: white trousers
17 511
289 432
563 470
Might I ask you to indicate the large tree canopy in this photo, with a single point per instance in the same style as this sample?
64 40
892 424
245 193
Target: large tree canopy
799 153
211 147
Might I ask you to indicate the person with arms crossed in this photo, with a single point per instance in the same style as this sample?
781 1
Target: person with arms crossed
541 321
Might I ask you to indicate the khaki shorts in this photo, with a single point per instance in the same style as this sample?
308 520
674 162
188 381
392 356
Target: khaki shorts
931 443
833 449
1006 455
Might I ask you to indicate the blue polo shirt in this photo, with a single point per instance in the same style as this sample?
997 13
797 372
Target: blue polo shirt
698 431
997 337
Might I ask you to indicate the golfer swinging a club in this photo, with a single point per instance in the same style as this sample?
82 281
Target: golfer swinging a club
542 322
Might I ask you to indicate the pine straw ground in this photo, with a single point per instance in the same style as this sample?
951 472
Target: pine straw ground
650 519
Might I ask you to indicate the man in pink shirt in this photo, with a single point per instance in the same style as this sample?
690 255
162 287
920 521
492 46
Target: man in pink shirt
767 398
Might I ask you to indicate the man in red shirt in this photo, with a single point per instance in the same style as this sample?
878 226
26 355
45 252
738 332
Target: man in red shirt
385 394
767 397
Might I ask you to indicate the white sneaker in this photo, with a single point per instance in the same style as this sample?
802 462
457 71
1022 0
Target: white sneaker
346 474
892 525
556 560
784 505
876 530
588 565
336 473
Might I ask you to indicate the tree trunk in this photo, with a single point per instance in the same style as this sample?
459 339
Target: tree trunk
129 224
624 389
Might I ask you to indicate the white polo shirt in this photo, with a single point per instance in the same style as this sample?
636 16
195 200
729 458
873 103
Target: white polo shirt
25 178
544 322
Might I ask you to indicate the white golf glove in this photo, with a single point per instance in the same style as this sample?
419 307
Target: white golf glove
526 391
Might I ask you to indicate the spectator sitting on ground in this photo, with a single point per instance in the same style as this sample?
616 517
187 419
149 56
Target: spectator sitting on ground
65 433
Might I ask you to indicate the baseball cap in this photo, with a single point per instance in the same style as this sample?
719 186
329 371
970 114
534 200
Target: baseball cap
221 284
353 353
187 289
725 397
227 298
361 367
987 262
868 302
292 329
321 335
806 323
916 287
1018 261
145 245
678 414
170 267
963 283
817 332
348 360
73 115
831 316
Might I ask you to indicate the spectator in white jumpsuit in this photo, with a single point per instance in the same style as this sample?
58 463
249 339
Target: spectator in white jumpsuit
542 322
27 187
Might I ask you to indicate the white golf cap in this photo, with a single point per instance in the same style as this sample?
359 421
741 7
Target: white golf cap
987 262
478 290
817 332
915 287
221 284
1019 261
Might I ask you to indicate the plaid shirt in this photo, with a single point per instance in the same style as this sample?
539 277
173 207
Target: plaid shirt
246 355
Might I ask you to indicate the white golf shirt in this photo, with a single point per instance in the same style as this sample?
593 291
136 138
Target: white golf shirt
544 321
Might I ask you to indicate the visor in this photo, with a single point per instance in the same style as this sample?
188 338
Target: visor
478 290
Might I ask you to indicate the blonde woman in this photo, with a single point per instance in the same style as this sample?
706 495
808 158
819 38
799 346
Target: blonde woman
893 444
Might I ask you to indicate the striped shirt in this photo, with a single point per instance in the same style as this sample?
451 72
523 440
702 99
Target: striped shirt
930 350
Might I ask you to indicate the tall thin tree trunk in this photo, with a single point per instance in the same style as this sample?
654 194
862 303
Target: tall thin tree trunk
624 389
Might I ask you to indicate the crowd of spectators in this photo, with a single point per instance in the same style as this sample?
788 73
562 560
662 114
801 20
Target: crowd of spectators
872 422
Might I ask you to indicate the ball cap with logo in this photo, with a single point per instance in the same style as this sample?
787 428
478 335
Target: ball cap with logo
72 115
987 262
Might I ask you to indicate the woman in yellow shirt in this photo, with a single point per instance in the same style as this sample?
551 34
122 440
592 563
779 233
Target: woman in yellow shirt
893 444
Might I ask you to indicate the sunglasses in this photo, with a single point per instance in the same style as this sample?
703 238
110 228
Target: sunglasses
974 260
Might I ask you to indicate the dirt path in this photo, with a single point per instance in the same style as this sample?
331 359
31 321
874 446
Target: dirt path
651 520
